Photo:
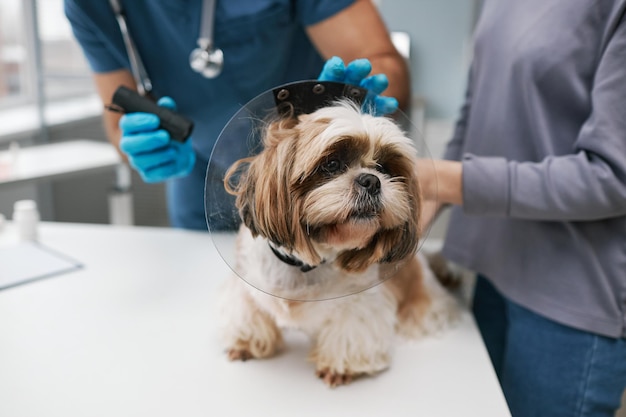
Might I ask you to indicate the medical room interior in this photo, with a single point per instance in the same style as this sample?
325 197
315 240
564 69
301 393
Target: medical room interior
106 309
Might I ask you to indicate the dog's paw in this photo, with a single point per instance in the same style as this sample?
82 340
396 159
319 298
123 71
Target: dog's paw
332 378
441 313
246 331
239 355
339 368
258 348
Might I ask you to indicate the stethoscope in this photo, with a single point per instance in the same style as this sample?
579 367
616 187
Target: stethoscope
206 59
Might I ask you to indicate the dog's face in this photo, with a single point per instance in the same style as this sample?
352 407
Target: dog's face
334 180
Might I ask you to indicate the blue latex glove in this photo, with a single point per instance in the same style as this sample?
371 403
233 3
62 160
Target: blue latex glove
150 150
356 73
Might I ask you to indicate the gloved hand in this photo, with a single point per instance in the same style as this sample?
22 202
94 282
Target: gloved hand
356 73
150 150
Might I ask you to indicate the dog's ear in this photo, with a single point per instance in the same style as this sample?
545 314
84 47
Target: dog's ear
403 241
236 182
391 245
265 198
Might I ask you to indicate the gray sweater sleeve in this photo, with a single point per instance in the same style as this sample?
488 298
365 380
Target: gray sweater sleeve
589 184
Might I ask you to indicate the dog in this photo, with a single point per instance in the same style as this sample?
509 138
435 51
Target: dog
330 207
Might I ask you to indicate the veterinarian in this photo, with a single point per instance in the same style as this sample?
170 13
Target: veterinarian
536 171
209 70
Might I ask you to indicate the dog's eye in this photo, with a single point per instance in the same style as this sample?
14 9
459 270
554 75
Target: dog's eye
382 169
332 165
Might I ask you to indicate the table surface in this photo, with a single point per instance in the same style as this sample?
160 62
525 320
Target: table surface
133 333
56 160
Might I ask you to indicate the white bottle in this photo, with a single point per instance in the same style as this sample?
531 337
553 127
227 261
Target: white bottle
26 220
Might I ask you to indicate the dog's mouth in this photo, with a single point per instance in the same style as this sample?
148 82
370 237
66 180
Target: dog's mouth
355 229
364 213
366 206
355 233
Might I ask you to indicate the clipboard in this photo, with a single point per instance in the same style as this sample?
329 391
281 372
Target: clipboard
26 262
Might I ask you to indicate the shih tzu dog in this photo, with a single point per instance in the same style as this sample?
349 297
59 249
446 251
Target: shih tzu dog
330 207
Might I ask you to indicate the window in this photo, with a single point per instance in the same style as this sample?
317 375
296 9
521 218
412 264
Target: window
36 71
14 62
66 73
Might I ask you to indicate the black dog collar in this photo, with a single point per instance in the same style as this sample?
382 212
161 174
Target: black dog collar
292 260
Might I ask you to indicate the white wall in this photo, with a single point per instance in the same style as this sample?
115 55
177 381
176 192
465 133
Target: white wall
440 32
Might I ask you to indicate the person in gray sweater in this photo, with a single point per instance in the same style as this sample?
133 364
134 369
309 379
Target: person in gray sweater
536 175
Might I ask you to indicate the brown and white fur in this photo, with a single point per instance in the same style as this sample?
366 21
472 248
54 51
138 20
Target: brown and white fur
337 191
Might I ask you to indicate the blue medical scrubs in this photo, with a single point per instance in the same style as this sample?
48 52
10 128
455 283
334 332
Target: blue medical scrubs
264 45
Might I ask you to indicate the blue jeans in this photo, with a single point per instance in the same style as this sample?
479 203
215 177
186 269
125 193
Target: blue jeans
547 369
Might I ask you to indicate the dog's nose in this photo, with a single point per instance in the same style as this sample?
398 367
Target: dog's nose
370 182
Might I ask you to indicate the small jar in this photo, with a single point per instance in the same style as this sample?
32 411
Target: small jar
26 220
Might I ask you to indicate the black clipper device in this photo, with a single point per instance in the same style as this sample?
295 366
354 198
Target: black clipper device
126 100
